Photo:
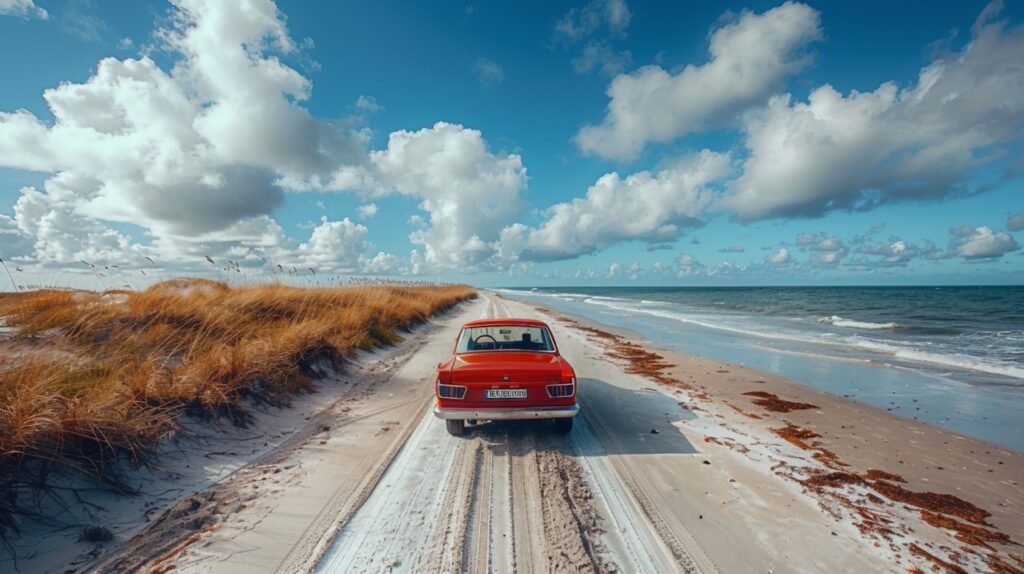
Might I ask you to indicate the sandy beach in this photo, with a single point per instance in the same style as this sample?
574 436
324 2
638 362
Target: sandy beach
678 463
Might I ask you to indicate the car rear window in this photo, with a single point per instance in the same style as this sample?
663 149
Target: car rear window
504 338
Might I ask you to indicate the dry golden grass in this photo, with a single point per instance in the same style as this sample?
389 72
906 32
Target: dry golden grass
93 380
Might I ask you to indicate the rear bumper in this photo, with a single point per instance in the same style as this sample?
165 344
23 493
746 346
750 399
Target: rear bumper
503 414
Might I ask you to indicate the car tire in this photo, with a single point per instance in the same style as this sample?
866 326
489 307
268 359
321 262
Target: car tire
564 426
455 427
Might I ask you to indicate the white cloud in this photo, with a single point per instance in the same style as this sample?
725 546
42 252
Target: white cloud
367 211
749 59
469 192
381 264
980 242
643 206
600 56
686 265
190 155
828 257
866 149
614 270
488 73
60 235
22 9
1015 222
369 104
895 251
185 152
779 257
599 23
825 249
334 245
79 19
579 23
806 239
16 243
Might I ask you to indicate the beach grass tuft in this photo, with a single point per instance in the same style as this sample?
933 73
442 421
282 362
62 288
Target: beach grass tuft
92 382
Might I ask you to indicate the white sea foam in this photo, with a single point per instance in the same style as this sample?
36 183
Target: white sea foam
951 360
955 361
838 321
701 321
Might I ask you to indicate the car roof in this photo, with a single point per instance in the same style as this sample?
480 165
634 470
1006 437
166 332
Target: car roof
506 322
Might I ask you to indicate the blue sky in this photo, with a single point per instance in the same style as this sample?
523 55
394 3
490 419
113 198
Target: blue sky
818 143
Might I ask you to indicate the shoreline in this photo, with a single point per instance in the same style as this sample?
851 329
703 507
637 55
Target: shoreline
956 498
966 402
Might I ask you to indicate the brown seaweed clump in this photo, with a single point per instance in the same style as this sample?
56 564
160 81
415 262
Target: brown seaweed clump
773 403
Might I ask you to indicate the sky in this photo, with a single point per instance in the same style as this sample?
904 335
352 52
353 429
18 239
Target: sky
512 144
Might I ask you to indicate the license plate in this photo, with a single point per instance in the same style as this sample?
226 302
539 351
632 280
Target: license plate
505 394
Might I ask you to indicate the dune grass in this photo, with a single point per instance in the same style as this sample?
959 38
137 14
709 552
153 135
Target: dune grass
91 381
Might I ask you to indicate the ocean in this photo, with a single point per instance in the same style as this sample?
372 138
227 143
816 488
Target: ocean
951 356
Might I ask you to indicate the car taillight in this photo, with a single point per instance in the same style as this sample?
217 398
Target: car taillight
450 391
562 390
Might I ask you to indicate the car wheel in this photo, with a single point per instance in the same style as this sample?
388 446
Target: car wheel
455 427
563 426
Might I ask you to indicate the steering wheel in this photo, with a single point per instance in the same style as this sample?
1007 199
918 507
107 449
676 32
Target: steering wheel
477 340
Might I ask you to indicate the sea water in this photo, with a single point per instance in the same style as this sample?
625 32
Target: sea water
951 356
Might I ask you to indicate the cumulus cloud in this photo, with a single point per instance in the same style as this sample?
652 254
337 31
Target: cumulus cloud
614 270
779 257
190 151
864 149
368 210
15 242
899 252
184 154
22 9
1015 222
341 246
686 266
645 206
469 192
968 242
749 58
825 249
980 242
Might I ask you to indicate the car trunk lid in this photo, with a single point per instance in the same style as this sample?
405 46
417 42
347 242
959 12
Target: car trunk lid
506 367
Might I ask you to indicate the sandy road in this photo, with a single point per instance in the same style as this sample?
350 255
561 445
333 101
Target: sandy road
510 497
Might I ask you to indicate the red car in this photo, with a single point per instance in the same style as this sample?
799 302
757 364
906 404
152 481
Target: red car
505 369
